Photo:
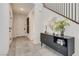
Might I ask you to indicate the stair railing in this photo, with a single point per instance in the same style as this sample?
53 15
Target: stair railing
67 10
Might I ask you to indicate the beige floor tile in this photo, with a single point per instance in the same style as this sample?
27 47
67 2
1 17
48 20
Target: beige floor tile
22 46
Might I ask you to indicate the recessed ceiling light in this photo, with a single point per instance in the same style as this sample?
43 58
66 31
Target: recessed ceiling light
21 9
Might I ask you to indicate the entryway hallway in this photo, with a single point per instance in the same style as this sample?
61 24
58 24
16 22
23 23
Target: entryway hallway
22 46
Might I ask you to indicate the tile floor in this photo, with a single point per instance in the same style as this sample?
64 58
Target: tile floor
22 46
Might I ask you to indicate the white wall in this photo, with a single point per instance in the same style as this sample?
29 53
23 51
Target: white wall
19 25
39 17
43 16
38 22
72 30
35 26
32 25
4 28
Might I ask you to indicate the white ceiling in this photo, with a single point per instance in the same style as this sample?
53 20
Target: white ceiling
26 6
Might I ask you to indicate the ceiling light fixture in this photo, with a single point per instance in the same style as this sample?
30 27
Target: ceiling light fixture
21 9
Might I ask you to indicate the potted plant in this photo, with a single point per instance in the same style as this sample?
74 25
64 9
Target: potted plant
61 25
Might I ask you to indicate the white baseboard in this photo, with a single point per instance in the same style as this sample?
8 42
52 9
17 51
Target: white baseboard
4 52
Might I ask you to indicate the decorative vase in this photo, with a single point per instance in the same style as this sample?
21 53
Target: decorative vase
62 32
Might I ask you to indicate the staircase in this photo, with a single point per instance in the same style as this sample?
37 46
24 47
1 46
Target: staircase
67 10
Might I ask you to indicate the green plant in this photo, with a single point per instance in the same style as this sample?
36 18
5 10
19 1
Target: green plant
61 25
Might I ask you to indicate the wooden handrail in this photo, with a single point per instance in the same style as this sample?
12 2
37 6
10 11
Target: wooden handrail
60 14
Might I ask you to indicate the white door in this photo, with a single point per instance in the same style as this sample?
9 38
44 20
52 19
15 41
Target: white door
19 25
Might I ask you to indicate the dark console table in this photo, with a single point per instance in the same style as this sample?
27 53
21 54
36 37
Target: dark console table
67 49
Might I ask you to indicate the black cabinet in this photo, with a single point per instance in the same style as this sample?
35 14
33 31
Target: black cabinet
67 48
